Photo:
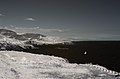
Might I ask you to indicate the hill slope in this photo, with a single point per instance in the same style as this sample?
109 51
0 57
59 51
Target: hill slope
11 40
21 65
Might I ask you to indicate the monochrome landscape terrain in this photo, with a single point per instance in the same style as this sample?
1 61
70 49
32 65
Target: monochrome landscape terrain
41 58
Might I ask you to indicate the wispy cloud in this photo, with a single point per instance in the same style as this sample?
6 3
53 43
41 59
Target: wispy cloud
40 29
30 19
1 14
47 29
99 37
35 29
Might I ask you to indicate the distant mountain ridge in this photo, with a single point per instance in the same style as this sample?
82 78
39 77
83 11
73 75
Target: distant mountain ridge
7 32
10 39
25 36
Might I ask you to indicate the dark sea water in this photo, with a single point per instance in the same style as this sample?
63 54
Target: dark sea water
104 53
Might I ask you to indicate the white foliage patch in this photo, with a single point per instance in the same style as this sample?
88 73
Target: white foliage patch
21 65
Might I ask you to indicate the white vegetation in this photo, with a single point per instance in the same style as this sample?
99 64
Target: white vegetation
7 40
21 65
12 41
50 40
4 39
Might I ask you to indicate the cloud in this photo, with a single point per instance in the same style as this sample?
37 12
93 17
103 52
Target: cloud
100 36
1 14
36 29
40 29
48 30
51 30
30 19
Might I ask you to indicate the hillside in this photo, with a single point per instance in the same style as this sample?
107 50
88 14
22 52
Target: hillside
21 65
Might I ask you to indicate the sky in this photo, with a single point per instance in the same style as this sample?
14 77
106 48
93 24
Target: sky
77 19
